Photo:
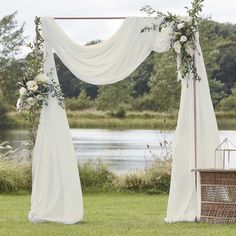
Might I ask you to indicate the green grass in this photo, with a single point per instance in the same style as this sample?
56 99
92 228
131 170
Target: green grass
106 215
133 120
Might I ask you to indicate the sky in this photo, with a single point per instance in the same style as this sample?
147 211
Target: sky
85 31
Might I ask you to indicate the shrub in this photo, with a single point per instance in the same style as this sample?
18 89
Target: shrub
120 112
156 180
228 103
95 176
80 103
15 178
143 103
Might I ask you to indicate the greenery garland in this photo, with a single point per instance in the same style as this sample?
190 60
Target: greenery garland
36 87
183 40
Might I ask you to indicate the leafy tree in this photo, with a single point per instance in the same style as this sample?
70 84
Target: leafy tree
141 76
229 103
207 31
80 103
111 96
164 87
3 110
219 51
71 86
11 67
11 37
217 91
227 65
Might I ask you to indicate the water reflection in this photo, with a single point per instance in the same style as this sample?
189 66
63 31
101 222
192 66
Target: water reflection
121 150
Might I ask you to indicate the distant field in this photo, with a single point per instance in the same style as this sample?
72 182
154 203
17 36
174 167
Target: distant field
109 214
132 120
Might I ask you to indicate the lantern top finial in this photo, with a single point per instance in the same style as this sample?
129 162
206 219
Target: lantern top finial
226 145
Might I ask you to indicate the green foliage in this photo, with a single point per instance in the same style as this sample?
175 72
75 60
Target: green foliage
211 52
143 103
82 102
11 65
120 112
133 120
183 36
33 67
196 9
217 91
155 180
229 103
35 59
70 84
165 89
111 96
227 64
141 76
11 36
14 178
95 176
4 121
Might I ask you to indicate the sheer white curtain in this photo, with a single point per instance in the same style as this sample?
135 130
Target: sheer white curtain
184 203
56 192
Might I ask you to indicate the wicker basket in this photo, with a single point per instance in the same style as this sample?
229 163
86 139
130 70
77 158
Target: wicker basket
218 196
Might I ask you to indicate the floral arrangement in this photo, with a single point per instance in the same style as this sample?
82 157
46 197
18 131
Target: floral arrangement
34 93
36 87
183 37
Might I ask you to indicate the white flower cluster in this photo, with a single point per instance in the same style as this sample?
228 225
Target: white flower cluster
183 41
33 92
184 45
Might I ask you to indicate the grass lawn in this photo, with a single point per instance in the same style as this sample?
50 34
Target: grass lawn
106 214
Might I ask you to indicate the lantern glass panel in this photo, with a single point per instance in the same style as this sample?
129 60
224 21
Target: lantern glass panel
227 151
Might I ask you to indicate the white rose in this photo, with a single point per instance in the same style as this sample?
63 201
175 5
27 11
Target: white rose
32 85
187 19
189 50
39 97
26 107
22 91
183 39
42 78
180 26
177 47
31 101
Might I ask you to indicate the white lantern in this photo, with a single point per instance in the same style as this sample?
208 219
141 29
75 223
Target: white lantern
228 151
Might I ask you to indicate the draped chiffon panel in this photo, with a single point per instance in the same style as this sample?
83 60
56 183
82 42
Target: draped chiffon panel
56 192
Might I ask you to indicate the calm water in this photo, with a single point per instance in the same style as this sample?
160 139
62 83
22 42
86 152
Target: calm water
121 150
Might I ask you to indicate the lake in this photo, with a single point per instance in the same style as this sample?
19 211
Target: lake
122 150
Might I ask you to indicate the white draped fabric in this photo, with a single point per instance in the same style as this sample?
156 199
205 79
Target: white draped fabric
184 203
56 194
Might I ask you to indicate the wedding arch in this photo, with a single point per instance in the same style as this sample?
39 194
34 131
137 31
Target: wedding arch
56 190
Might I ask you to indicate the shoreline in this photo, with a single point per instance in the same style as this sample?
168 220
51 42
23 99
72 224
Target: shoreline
91 119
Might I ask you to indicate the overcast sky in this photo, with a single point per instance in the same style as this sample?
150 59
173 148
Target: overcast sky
84 31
